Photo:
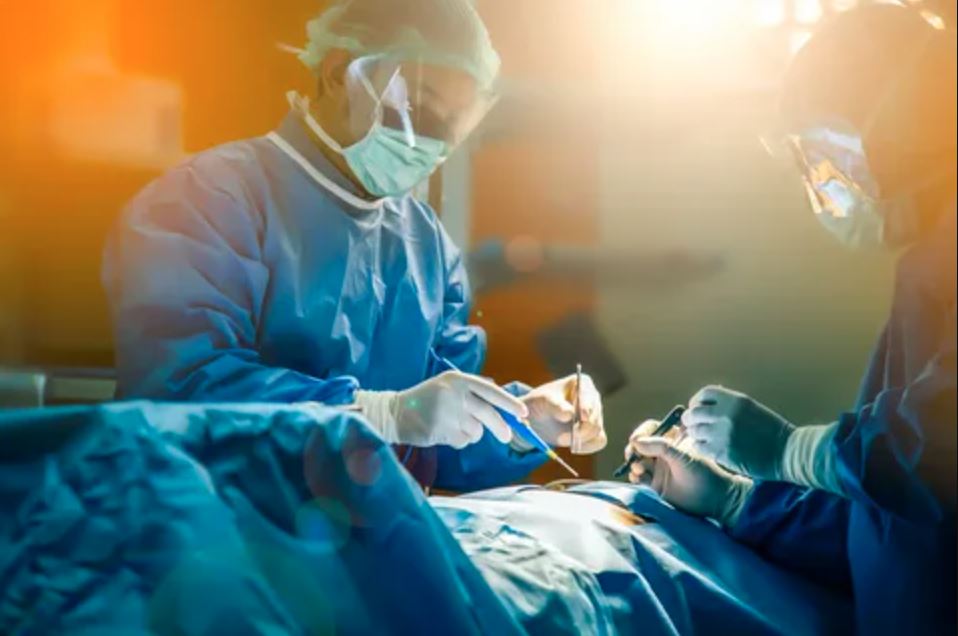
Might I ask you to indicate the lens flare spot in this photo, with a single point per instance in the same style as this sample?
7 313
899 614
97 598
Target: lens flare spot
324 522
364 466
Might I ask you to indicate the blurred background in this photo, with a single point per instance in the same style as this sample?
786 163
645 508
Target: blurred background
617 206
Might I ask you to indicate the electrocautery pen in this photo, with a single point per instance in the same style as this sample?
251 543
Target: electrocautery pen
522 429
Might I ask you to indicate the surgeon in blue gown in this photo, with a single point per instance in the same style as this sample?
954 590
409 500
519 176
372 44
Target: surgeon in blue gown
867 503
296 267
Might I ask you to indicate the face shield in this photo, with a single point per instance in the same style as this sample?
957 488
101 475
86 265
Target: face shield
831 156
416 103
420 82
834 169
405 119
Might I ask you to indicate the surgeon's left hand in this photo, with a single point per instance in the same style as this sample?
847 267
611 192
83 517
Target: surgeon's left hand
738 432
686 480
552 413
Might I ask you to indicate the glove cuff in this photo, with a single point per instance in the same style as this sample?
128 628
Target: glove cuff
809 460
378 407
739 490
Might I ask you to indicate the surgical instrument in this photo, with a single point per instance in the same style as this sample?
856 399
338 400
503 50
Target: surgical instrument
673 418
578 406
523 429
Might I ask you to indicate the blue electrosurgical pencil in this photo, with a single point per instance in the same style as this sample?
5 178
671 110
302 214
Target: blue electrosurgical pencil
520 428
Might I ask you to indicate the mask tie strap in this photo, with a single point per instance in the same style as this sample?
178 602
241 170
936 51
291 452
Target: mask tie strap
324 181
300 106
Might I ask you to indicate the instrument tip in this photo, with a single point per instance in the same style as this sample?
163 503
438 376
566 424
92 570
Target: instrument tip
555 456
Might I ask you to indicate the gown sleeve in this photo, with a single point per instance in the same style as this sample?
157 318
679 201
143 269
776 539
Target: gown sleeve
804 530
898 451
186 282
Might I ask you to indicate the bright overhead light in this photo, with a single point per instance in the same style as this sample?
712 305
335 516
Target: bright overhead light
694 17
769 13
843 5
808 11
797 40
933 19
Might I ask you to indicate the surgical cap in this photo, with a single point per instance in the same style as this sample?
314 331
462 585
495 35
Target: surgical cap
886 71
442 32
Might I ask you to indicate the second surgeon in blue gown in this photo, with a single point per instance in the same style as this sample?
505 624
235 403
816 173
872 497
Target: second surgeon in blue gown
866 503
295 267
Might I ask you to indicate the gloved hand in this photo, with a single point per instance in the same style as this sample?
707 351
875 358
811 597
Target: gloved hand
552 413
450 409
738 432
689 482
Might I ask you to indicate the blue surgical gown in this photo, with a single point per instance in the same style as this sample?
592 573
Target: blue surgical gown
238 277
892 542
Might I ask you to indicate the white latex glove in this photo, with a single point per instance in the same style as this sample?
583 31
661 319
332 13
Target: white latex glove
689 482
552 413
451 409
738 432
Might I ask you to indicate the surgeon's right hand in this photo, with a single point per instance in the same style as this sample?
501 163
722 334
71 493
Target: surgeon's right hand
451 409
692 483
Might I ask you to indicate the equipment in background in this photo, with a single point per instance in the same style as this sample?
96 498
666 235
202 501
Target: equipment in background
32 388
496 263
576 339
